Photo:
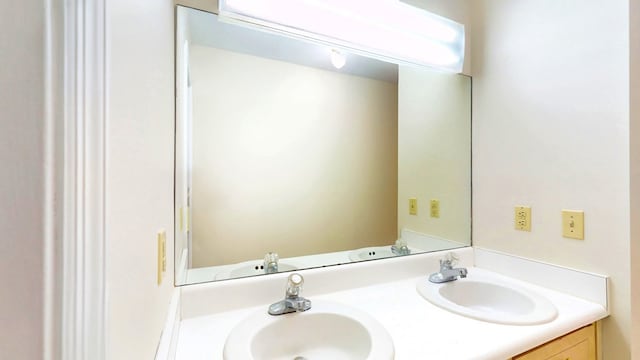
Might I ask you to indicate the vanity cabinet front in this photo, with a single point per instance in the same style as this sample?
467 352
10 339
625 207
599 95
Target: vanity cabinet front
578 345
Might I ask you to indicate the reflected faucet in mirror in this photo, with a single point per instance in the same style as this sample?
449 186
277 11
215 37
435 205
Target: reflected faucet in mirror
400 248
270 263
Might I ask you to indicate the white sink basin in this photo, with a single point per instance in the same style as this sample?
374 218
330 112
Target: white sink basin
370 253
487 297
326 331
251 269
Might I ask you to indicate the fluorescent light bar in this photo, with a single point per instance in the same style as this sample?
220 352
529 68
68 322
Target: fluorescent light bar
338 59
385 29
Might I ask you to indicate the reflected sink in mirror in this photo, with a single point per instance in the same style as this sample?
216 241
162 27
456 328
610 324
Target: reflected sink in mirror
371 253
326 331
484 296
252 268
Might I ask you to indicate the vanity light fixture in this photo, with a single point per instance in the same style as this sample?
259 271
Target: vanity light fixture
385 29
338 59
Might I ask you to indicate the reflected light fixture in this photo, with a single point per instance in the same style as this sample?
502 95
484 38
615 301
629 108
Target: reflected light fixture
338 59
389 30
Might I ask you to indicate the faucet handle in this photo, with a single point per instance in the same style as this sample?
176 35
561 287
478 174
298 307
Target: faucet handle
270 263
271 257
294 285
400 247
450 260
401 243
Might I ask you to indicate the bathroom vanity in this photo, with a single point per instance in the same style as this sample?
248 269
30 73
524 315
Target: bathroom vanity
579 344
308 164
386 290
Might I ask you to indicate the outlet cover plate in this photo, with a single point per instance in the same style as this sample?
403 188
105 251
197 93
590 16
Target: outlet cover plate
434 208
522 218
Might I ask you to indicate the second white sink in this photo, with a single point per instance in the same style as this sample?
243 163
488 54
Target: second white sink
484 296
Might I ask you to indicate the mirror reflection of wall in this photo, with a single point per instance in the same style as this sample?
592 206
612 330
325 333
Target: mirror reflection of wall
279 151
434 153
288 158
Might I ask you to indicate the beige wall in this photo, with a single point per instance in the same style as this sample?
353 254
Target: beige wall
22 198
206 5
288 158
434 152
634 41
139 174
551 130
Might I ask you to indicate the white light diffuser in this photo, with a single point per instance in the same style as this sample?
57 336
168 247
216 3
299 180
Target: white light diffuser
386 29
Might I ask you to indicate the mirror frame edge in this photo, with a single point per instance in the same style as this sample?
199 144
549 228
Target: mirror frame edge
210 6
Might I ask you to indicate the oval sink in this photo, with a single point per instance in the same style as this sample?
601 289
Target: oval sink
326 331
251 269
485 297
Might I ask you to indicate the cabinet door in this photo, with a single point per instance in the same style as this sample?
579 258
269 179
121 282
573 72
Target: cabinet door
578 345
577 352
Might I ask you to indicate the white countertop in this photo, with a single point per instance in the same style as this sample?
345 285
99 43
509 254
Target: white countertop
419 329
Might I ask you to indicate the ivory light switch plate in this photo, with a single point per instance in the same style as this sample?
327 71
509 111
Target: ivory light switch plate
523 218
413 206
573 224
162 254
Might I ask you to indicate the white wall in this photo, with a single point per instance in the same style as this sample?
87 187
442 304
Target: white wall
22 186
551 130
634 41
434 152
288 158
139 174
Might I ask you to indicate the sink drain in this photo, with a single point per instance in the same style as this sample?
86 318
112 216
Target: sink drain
300 358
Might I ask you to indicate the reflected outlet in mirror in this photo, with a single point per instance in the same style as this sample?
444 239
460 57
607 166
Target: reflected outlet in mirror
278 151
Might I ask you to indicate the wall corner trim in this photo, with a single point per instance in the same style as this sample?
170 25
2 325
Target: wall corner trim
83 246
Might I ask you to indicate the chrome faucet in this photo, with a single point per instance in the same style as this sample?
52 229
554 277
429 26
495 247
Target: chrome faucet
400 248
292 301
447 271
270 263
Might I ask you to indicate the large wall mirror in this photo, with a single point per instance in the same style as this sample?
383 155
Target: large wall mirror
287 160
